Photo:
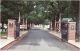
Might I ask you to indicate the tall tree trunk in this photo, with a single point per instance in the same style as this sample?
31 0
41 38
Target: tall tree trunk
0 17
0 12
23 21
76 7
28 24
56 20
50 25
79 23
53 23
60 14
2 26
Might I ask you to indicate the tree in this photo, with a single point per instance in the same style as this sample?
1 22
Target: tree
37 15
0 12
58 10
10 10
75 10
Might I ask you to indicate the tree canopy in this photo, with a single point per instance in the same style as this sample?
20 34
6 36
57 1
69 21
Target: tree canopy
36 11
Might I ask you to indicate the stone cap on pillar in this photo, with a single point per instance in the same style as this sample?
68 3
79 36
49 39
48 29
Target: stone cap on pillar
67 20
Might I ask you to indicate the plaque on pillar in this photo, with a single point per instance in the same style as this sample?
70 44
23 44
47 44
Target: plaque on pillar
11 28
71 31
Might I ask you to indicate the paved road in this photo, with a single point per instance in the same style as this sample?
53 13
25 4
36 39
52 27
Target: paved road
40 40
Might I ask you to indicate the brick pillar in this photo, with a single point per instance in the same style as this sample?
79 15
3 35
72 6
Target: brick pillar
71 30
11 29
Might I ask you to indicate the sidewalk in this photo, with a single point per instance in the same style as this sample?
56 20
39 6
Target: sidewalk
76 44
5 42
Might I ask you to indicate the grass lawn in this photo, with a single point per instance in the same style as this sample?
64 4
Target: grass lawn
2 33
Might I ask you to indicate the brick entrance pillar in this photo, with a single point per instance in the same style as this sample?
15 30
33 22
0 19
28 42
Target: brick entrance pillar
72 31
11 29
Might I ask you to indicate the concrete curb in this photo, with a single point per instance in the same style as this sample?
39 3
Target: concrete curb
64 41
13 42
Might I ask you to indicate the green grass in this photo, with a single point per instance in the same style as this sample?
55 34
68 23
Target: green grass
2 32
